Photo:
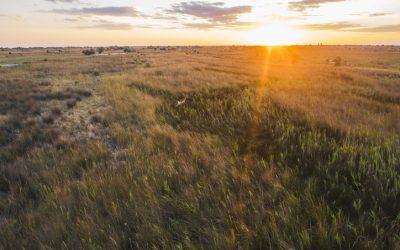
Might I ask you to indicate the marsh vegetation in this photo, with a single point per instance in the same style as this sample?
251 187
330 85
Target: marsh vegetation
201 147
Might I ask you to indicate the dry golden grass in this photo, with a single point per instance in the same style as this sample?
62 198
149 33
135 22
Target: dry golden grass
273 148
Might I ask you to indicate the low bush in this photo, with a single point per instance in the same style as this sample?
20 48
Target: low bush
71 103
100 50
48 118
88 52
337 61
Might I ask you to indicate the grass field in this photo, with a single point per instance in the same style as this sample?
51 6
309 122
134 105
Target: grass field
201 148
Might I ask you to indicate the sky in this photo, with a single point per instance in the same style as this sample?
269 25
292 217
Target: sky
30 23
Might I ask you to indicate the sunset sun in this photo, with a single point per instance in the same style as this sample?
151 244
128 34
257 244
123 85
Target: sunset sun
275 34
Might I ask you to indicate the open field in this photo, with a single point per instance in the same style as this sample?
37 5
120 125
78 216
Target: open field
200 147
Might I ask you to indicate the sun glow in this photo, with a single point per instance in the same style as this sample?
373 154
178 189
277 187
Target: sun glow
275 34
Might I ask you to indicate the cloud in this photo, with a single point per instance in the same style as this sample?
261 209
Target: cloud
208 25
329 26
101 11
378 14
305 4
73 19
62 1
14 18
383 28
345 26
215 12
214 15
106 25
163 16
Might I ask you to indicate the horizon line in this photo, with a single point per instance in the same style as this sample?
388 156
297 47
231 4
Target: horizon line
197 45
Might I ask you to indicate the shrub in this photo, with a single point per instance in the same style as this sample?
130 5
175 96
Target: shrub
85 92
4 186
128 50
71 103
337 61
56 111
88 52
96 119
48 118
100 50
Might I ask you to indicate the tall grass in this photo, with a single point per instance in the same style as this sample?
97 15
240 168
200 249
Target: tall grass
220 171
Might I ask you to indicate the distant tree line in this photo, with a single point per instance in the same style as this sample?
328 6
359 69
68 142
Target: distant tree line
100 50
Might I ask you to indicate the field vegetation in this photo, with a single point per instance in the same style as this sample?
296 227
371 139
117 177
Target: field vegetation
201 148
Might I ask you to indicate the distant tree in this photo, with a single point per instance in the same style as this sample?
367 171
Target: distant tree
128 50
100 50
88 52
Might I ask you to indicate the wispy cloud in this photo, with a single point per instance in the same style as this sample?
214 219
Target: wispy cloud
383 28
73 19
106 25
329 26
164 16
305 4
346 26
100 11
378 14
62 1
14 18
208 25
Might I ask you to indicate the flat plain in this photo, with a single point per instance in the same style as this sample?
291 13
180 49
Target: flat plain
235 147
